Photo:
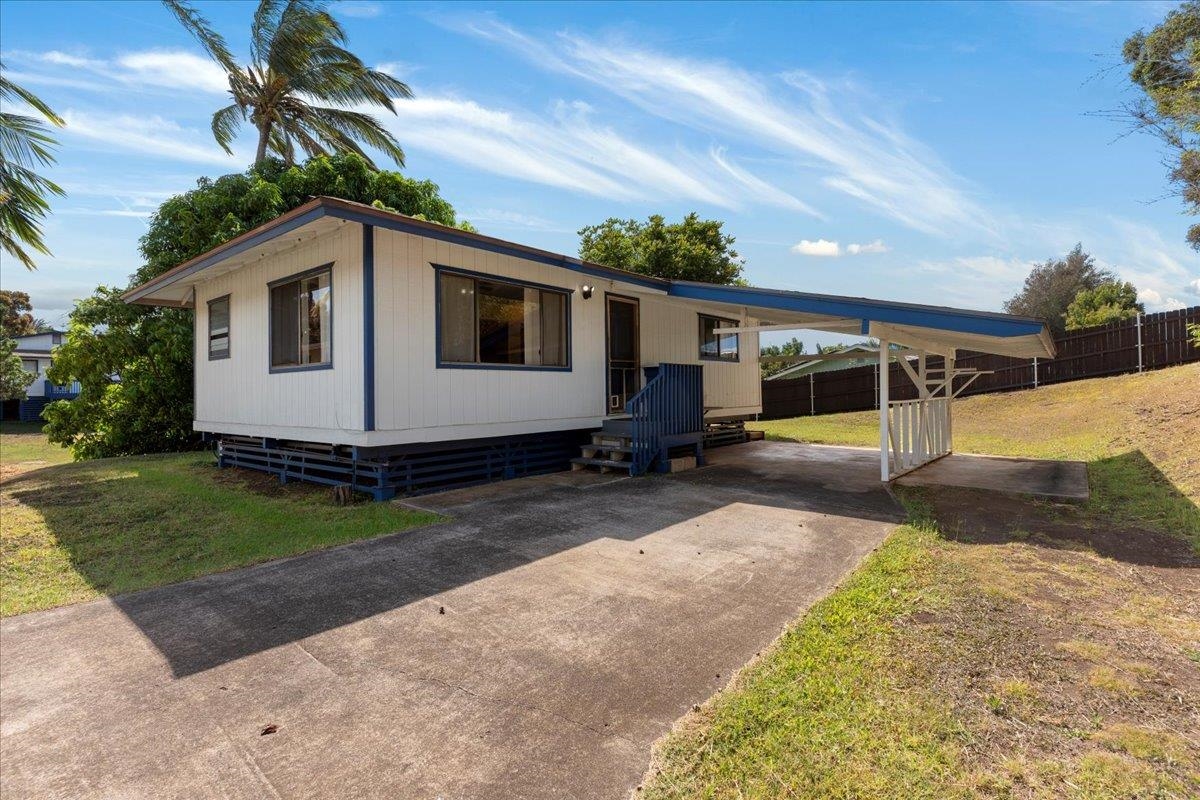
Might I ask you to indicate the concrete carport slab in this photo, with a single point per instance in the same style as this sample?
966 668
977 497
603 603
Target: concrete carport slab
581 619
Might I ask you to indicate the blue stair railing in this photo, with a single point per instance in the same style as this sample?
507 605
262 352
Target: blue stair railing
667 411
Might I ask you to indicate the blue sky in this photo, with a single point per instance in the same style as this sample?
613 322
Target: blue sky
928 153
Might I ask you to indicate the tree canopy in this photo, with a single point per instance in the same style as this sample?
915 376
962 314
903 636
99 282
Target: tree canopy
13 377
693 249
300 85
25 145
134 363
1051 287
794 347
15 316
1111 301
1165 64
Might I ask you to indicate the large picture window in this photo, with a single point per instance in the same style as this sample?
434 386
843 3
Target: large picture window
717 346
302 321
500 323
218 328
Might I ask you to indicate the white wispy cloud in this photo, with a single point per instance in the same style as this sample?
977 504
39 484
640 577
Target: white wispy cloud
1194 287
870 248
834 126
827 249
149 135
568 148
358 8
148 69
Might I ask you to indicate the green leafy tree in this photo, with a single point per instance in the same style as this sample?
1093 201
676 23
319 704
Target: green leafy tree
1109 302
134 363
1165 64
692 250
301 84
795 347
14 380
15 319
1051 287
25 145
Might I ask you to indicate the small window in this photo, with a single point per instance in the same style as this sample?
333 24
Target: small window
218 328
301 321
714 345
492 322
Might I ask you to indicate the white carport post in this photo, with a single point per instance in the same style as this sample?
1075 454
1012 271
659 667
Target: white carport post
885 456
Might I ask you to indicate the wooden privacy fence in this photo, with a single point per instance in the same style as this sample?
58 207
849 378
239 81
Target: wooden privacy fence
1150 341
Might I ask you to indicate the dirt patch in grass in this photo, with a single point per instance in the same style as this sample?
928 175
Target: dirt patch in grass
1048 657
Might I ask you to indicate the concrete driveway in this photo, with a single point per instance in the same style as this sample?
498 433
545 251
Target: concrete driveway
534 646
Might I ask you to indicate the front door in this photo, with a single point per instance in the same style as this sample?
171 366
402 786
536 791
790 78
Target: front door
624 375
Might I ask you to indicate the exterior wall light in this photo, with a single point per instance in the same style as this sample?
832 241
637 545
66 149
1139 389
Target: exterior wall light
586 290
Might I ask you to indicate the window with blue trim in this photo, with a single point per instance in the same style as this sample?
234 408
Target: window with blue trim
301 311
502 323
714 345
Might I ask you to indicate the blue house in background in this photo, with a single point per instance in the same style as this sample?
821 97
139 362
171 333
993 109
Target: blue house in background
36 353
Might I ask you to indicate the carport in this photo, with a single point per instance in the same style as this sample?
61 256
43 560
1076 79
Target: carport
912 433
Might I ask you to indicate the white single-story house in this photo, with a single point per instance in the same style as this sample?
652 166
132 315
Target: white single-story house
341 343
36 353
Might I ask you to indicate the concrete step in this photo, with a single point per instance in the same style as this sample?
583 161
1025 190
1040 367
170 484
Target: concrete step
618 426
604 464
614 453
611 440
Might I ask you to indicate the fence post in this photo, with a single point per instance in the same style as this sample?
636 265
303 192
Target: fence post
1035 375
885 454
812 403
1139 340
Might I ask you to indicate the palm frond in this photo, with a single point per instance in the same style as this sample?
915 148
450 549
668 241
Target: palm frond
9 90
342 129
212 42
225 124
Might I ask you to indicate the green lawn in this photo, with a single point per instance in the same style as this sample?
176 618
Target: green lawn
72 532
24 444
983 652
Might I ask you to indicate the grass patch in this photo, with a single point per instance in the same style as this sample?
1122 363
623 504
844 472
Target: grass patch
23 446
1011 661
77 531
829 711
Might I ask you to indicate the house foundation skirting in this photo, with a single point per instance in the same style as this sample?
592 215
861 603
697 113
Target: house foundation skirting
407 470
385 472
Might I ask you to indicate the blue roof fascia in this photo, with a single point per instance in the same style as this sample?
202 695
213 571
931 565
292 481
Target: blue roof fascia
959 321
252 241
455 237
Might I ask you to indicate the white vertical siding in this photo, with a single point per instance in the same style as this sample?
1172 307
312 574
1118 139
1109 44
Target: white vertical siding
415 401
241 390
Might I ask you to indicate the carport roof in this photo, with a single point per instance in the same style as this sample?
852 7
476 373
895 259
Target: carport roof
933 328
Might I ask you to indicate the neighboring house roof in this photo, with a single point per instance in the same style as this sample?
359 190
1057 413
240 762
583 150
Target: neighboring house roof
934 328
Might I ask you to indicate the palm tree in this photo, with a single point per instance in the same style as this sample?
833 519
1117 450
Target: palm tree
300 85
25 143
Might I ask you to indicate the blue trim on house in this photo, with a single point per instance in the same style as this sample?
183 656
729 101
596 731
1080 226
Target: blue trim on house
440 270
961 321
240 247
274 370
470 273
368 278
864 327
453 236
